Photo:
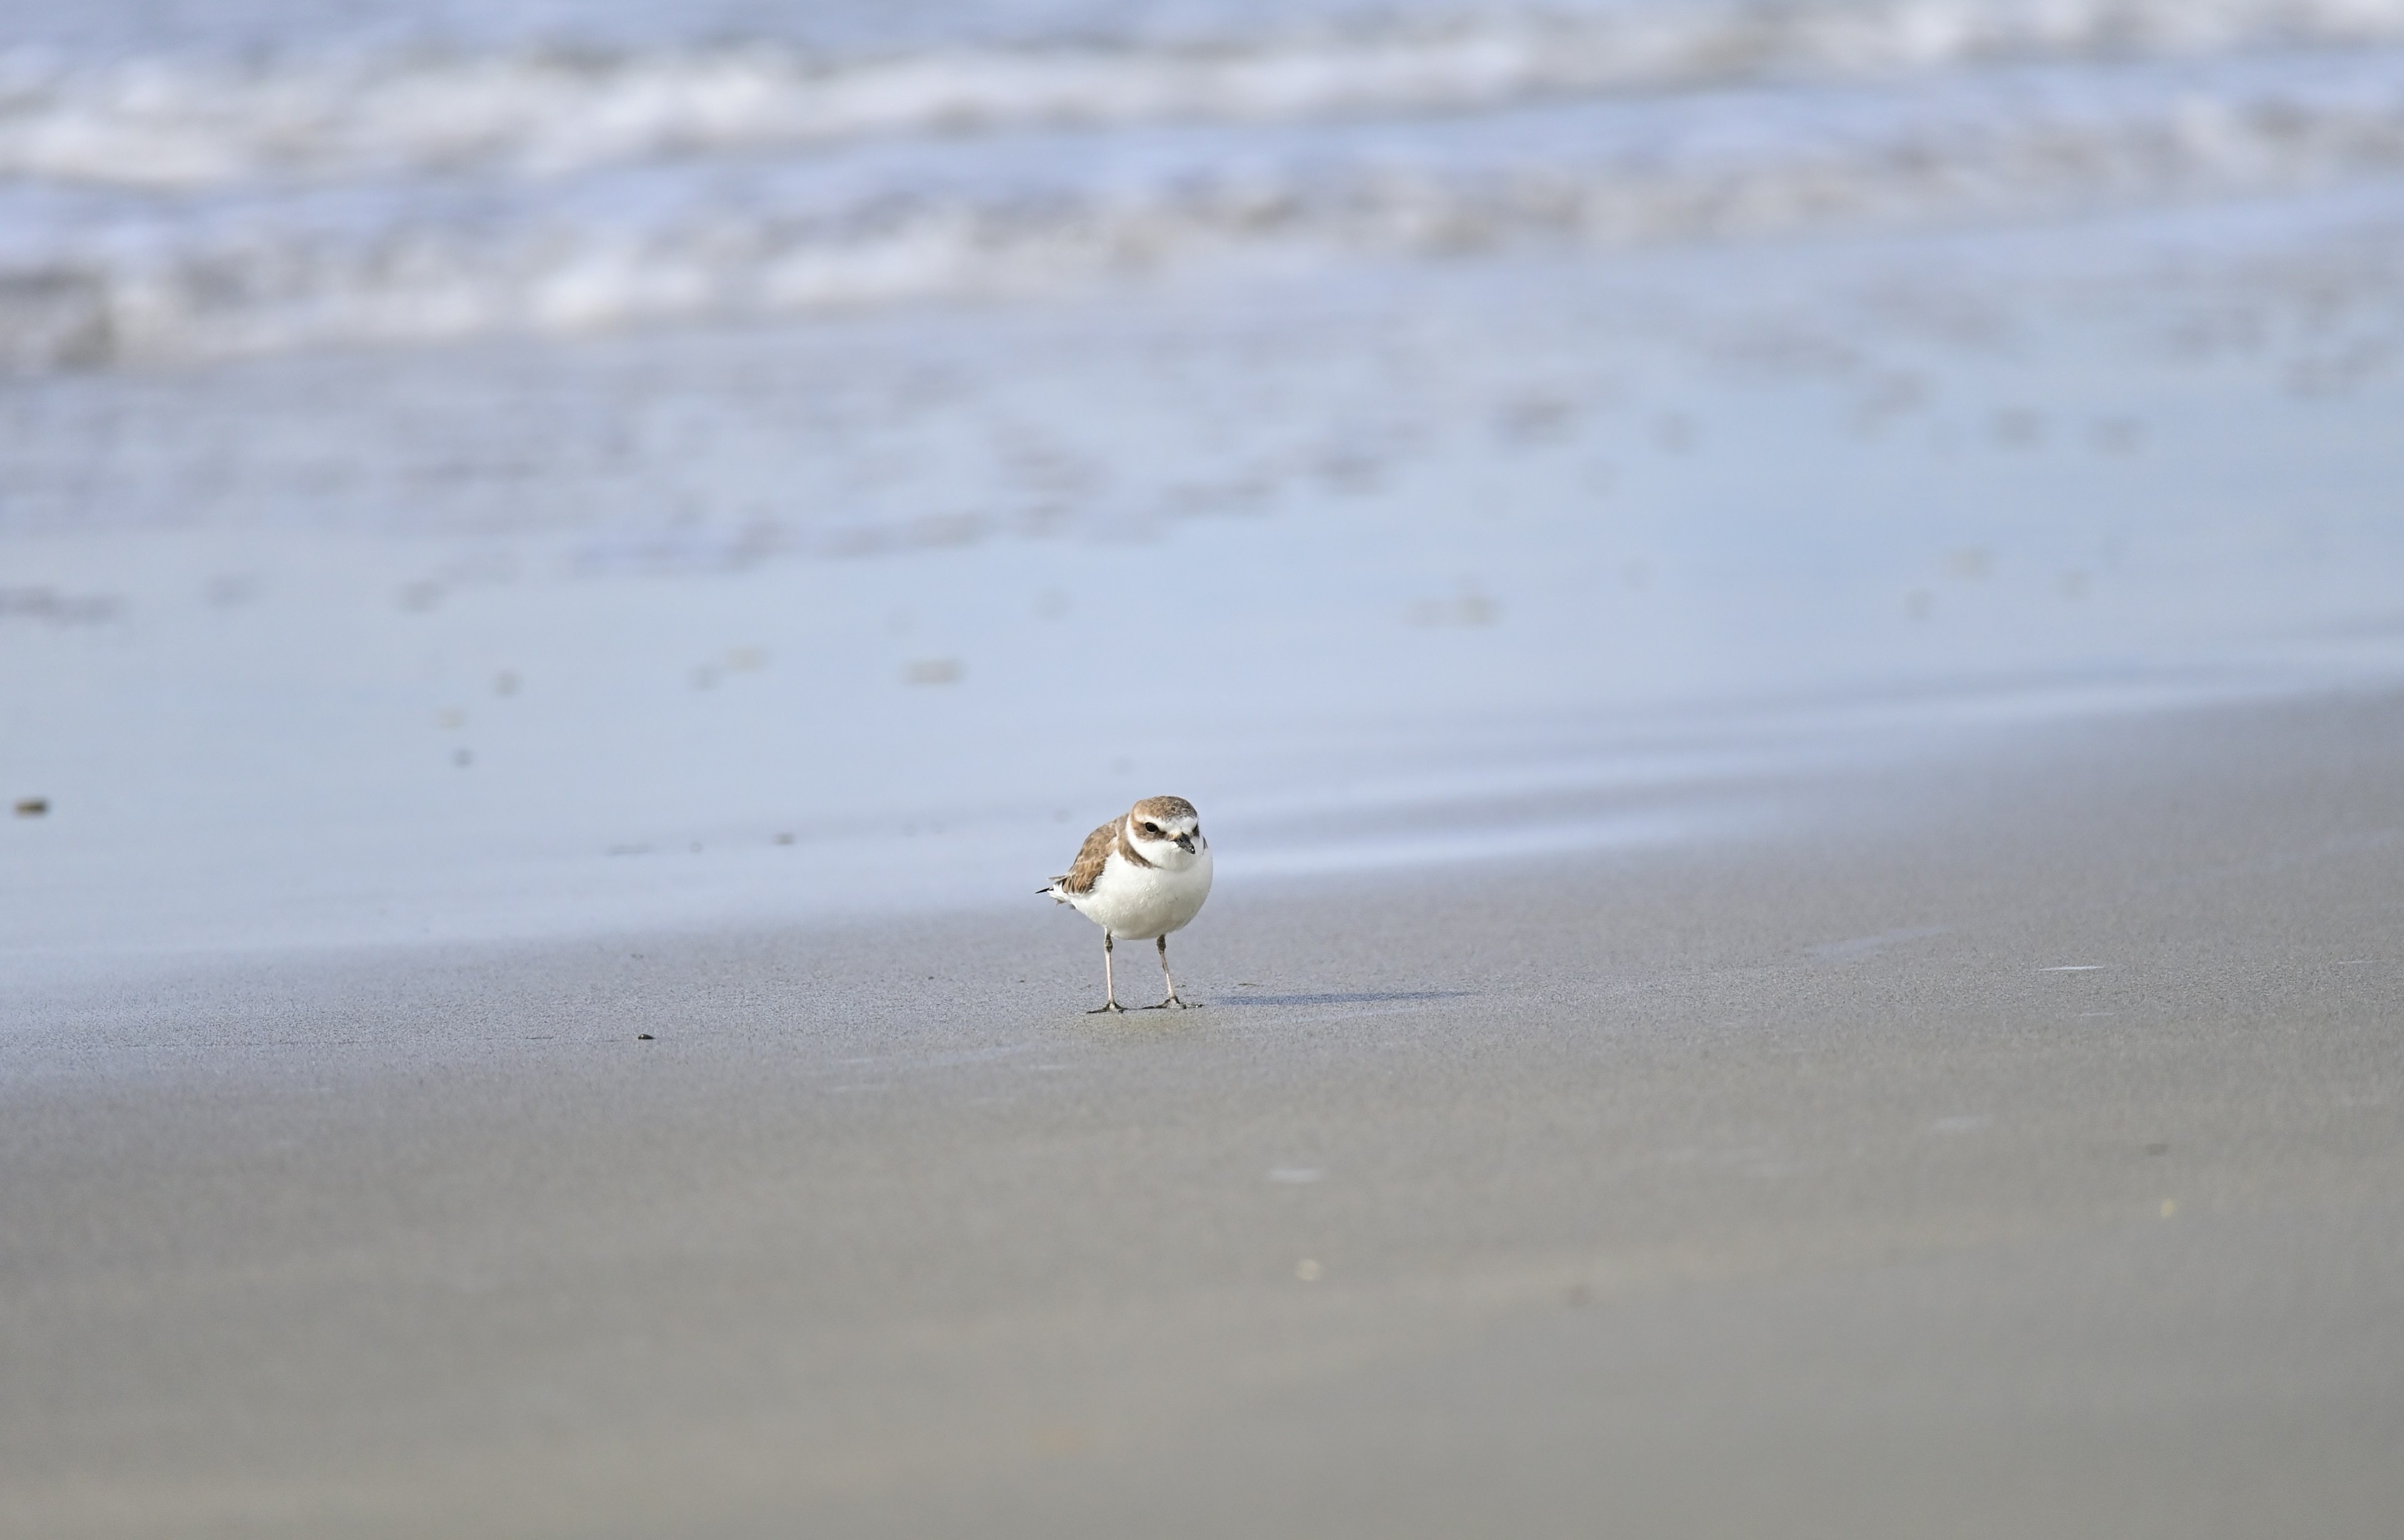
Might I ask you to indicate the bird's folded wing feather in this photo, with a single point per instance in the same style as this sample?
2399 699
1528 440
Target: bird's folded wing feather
1086 869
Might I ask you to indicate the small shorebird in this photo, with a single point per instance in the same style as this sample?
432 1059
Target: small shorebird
1140 877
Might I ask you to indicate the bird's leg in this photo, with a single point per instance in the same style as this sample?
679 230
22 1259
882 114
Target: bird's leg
1173 1000
1110 987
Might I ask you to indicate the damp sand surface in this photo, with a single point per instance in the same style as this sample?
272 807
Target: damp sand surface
2001 1148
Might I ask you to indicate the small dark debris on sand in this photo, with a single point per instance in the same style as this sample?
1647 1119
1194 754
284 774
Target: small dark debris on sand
32 807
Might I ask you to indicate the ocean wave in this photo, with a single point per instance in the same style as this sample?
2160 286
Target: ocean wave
167 122
1582 177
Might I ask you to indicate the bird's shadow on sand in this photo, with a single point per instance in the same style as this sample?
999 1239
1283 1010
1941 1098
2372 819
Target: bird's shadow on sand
1385 997
1196 1018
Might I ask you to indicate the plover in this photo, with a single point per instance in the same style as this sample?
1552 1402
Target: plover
1139 878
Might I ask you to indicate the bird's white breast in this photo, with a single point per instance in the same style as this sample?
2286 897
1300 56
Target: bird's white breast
1139 902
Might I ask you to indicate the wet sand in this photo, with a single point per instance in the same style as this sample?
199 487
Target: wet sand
2006 1147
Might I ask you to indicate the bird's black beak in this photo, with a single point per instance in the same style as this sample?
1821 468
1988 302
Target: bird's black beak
1185 843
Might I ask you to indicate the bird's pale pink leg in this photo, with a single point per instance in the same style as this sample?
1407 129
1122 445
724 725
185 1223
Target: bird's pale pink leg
1110 986
1172 1002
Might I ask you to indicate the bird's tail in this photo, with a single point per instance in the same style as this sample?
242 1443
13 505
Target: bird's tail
1052 890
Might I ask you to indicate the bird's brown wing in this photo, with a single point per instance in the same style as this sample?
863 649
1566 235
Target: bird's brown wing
1086 869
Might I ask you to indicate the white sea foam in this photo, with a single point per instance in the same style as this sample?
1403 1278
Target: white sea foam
180 205
334 267
168 122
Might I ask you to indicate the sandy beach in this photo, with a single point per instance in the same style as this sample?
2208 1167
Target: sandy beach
1783 616
2007 1147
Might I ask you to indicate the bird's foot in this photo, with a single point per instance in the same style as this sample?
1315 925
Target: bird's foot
1171 1003
1112 1007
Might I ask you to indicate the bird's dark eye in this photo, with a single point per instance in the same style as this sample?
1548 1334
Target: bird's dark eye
1149 828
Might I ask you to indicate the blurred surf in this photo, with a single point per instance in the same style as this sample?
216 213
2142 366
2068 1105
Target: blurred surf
194 200
164 121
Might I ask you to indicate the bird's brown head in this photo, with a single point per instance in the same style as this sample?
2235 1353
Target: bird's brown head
1167 830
